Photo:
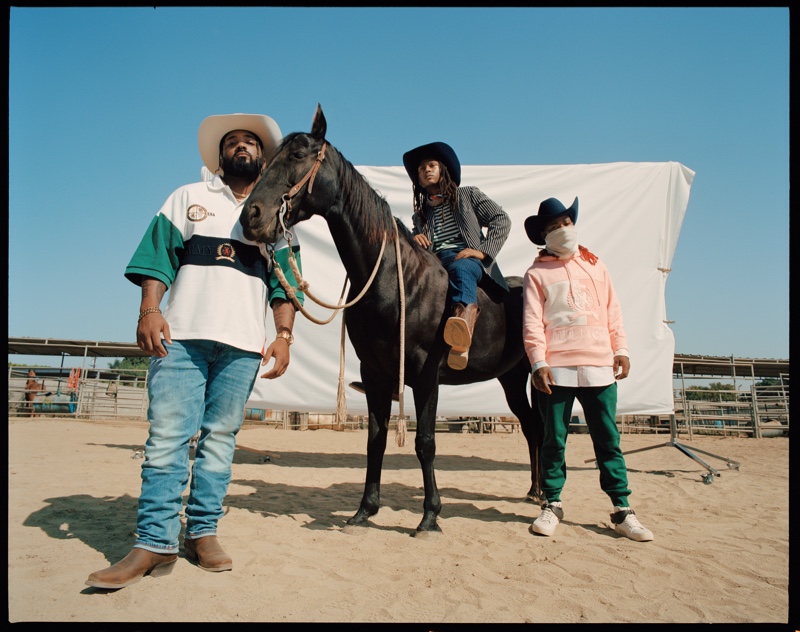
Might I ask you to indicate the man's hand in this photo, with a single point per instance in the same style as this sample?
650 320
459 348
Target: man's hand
283 312
152 325
622 366
542 379
148 334
279 350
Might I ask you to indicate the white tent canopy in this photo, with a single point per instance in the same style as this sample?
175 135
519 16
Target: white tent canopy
630 215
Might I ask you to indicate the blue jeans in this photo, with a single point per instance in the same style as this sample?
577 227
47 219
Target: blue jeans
200 385
464 276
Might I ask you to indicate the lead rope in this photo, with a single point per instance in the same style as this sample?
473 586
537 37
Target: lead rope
400 433
302 285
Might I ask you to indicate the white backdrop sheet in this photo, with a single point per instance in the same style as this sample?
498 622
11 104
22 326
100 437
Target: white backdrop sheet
630 215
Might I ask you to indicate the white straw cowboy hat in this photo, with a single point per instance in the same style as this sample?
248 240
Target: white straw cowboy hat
213 128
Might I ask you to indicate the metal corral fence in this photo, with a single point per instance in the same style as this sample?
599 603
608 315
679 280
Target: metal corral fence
88 394
759 411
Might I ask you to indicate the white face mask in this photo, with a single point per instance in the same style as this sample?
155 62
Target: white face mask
562 242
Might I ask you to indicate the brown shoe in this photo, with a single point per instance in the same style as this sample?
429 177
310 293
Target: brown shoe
132 568
208 554
458 360
458 334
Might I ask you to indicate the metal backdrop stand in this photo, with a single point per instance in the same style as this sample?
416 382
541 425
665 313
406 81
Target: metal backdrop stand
673 442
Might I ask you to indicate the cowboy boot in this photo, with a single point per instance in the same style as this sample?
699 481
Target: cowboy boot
132 568
458 334
208 554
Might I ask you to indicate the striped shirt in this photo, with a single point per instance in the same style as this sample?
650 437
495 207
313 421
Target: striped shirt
475 213
446 233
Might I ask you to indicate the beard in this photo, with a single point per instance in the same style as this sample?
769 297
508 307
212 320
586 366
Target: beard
242 167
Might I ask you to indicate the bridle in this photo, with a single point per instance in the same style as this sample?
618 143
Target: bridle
284 212
286 198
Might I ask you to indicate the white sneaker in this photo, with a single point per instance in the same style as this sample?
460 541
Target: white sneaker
626 523
548 520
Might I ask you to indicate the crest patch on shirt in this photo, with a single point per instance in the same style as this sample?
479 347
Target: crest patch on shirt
225 251
582 300
196 213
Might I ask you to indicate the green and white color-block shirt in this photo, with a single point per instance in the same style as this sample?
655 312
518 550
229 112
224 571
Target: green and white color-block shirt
219 283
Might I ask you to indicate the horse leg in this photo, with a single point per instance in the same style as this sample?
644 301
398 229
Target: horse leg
379 404
426 401
515 386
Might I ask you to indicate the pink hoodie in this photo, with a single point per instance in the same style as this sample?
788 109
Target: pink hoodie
571 316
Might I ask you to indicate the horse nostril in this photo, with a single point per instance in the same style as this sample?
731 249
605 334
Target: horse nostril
255 211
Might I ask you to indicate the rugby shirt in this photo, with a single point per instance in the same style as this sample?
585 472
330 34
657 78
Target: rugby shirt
219 283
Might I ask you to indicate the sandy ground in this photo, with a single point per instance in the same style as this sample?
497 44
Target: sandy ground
720 555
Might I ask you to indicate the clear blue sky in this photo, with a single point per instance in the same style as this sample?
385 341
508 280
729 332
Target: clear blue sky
104 107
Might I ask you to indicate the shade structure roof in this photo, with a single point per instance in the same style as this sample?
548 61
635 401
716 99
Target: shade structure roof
694 365
61 346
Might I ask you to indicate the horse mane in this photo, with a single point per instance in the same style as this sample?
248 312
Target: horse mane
367 208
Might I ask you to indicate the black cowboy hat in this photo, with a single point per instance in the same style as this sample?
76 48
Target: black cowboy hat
548 211
438 151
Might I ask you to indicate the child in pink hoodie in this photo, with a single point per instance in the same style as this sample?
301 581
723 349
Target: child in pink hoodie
574 338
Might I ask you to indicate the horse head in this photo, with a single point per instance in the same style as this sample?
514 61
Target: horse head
291 190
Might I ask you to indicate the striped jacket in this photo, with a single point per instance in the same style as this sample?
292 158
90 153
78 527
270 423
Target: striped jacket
475 212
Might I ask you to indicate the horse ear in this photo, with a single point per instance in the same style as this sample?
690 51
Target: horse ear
320 125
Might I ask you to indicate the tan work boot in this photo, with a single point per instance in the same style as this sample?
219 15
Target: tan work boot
208 554
132 568
458 334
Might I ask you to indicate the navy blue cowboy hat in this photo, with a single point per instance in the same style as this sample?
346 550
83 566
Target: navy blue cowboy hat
548 211
438 151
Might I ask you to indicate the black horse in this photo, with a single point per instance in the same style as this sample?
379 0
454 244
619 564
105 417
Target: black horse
309 177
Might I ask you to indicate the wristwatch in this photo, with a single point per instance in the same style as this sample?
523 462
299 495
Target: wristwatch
289 338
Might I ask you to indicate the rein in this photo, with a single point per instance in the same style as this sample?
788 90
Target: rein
285 211
303 285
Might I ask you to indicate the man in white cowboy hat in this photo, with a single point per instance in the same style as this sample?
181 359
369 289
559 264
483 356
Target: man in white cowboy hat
573 334
449 219
206 346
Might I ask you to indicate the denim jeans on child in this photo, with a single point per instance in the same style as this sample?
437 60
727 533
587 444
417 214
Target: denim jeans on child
464 276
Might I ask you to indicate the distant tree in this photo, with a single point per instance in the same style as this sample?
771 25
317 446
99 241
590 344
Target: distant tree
131 364
714 392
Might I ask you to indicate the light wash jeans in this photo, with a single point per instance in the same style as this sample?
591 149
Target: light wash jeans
199 385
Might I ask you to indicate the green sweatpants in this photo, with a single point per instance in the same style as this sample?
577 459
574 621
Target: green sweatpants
599 406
